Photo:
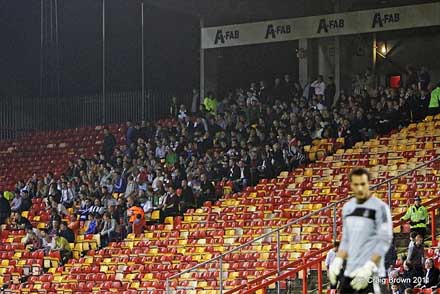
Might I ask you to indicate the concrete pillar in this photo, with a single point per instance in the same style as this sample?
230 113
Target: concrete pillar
304 62
210 72
325 57
374 51
338 57
338 66
202 75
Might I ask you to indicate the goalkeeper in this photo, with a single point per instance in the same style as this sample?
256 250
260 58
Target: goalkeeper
366 237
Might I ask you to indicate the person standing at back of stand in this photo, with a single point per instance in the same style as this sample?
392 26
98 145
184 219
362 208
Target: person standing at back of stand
366 237
330 92
173 107
109 144
418 217
434 102
210 103
416 256
5 209
319 86
130 134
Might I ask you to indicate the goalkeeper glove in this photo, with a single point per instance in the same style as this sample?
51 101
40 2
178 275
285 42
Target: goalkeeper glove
335 269
362 275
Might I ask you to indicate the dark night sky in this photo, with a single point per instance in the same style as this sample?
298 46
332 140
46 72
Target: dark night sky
171 43
171 52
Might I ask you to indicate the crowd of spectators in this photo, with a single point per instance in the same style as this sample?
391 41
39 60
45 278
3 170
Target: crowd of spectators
416 269
248 134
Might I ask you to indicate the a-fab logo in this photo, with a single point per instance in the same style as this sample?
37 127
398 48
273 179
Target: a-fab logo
379 20
222 37
274 31
328 25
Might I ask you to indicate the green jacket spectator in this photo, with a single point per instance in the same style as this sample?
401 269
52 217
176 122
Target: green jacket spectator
435 98
210 103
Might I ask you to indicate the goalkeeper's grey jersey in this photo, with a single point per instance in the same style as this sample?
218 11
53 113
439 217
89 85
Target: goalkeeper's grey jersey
367 230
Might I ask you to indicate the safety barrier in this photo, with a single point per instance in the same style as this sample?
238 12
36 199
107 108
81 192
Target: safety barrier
22 115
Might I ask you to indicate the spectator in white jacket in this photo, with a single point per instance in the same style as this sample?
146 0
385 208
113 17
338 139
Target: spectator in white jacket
132 187
319 86
67 194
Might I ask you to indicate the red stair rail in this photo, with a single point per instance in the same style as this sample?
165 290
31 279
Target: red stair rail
317 260
313 257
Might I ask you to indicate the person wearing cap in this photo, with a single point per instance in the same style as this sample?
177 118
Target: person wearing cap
418 217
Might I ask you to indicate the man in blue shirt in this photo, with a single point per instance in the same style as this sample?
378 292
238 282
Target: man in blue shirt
129 137
119 186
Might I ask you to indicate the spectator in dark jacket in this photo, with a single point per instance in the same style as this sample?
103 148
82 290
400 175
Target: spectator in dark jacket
408 276
265 167
424 78
187 199
19 222
66 232
245 174
416 255
207 189
108 145
169 204
26 202
234 171
131 133
330 92
431 279
390 256
5 209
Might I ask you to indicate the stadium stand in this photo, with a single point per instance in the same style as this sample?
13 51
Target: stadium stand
142 263
146 258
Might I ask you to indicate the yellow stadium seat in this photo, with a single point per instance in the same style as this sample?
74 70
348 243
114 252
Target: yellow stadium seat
169 220
148 277
283 175
155 215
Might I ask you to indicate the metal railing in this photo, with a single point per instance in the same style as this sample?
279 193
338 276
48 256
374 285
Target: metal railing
316 259
21 115
331 208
